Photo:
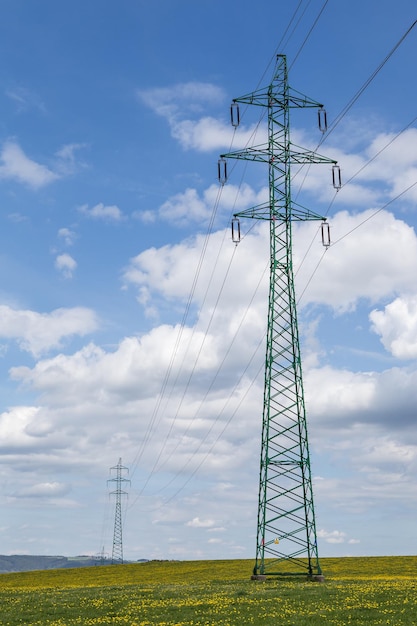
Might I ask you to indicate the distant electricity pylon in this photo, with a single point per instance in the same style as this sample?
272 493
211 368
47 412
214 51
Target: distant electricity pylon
119 480
286 528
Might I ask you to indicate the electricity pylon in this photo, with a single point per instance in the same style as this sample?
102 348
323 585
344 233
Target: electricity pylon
117 551
286 528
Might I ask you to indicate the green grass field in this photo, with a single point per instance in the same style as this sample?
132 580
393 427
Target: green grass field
362 591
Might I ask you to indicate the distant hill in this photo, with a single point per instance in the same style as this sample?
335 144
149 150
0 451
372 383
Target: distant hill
26 563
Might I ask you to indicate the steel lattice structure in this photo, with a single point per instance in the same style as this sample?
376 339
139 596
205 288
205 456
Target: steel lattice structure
286 528
119 480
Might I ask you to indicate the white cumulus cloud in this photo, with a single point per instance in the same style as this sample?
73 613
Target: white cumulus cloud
333 536
39 332
15 165
44 490
362 262
183 107
397 326
102 211
196 522
66 264
67 235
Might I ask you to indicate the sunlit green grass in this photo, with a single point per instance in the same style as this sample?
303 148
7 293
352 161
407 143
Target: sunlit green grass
362 591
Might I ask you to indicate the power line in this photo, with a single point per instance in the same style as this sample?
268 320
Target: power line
402 193
358 94
173 420
366 84
204 398
309 33
179 336
226 425
368 218
337 121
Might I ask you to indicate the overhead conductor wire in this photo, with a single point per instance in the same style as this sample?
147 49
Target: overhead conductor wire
337 121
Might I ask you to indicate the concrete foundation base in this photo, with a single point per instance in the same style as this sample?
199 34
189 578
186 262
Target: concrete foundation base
317 578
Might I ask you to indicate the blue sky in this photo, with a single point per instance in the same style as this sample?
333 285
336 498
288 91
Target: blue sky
131 326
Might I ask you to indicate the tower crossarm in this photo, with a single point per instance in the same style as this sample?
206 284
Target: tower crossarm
268 96
294 155
264 212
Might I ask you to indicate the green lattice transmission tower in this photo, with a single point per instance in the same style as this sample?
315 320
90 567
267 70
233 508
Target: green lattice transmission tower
286 528
118 480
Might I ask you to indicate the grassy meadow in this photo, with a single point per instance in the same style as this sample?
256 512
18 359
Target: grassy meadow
361 591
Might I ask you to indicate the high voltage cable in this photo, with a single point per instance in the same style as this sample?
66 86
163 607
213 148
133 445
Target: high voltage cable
361 90
358 94
199 353
227 423
219 368
185 316
162 394
368 218
309 33
364 166
339 118
366 84
283 41
155 465
381 150
402 193
212 382
180 332
178 339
